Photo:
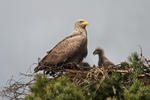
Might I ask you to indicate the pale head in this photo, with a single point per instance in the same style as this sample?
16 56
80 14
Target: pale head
81 23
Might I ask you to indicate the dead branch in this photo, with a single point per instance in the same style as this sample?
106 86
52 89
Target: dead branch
17 90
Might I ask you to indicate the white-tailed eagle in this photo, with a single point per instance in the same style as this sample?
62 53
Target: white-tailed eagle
72 49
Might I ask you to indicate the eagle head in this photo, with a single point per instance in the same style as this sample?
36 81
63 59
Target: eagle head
99 51
81 23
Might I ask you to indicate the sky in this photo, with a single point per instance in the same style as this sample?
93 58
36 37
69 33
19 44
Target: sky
30 28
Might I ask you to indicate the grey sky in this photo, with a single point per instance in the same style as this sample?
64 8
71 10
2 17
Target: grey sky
29 28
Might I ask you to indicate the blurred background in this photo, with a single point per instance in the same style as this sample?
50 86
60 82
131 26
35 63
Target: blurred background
30 28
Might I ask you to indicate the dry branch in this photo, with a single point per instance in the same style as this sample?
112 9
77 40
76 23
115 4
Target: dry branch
17 90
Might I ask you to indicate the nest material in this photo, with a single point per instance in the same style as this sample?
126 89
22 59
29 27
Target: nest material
84 76
80 74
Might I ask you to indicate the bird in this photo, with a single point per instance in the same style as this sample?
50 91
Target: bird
72 49
103 61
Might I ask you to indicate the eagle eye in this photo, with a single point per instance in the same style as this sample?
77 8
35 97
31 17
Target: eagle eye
81 21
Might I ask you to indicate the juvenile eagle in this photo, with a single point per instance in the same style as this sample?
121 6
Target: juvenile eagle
103 61
73 49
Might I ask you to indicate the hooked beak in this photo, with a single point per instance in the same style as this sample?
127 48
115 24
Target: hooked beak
85 23
94 53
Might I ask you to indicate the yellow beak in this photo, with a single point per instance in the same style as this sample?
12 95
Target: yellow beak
85 23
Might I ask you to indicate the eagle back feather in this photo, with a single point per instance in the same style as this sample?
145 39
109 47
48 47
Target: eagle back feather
65 49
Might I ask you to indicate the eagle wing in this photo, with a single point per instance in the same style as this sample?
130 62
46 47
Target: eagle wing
64 49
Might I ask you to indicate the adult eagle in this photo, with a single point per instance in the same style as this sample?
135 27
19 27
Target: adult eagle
70 50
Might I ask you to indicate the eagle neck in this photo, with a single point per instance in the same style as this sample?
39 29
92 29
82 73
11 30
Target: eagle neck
79 30
101 60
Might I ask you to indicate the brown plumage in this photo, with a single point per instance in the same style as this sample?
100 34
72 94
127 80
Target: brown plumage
103 61
84 64
70 50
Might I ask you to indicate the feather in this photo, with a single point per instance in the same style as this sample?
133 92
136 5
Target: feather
70 50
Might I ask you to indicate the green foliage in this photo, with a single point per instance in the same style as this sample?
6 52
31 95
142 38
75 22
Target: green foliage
137 91
111 86
111 89
114 87
59 89
109 98
136 63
